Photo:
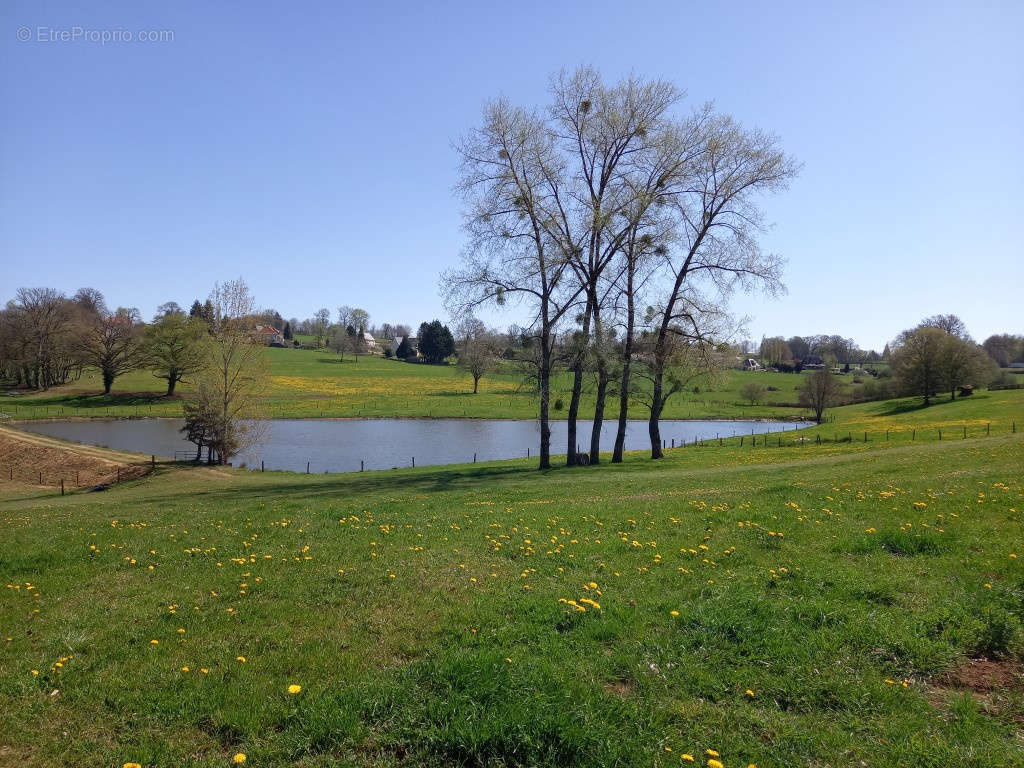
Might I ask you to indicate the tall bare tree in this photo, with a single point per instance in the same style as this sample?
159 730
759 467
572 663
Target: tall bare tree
718 220
512 179
605 133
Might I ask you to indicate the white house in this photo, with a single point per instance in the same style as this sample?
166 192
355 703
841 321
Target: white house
369 341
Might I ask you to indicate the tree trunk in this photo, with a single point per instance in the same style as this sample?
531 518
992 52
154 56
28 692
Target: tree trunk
172 379
657 403
577 389
476 382
627 361
545 396
602 389
108 381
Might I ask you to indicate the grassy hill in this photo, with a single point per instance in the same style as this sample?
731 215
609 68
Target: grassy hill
307 383
844 604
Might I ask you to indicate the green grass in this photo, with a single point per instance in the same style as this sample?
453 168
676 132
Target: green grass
422 610
306 383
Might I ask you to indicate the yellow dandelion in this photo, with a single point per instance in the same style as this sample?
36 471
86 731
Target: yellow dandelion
293 689
132 765
239 758
712 763
184 669
240 659
674 613
750 693
686 757
711 753
154 642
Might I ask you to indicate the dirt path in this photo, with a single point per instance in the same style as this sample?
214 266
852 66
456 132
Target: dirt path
28 459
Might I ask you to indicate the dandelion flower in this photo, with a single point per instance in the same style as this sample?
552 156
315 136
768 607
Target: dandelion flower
750 693
686 757
132 765
240 659
239 758
293 689
154 642
184 669
712 753
674 613
712 763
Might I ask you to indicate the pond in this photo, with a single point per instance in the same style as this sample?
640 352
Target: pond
339 445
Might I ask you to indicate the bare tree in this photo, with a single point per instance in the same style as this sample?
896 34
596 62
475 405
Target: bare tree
718 219
112 343
819 391
233 380
512 179
477 350
603 131
951 324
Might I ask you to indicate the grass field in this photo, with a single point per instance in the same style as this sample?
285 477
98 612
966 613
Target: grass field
844 604
305 383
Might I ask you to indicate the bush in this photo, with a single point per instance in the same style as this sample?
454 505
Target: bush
559 404
753 391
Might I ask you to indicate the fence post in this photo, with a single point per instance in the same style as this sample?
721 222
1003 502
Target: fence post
361 465
62 486
913 434
307 467
76 478
152 459
965 432
741 441
674 442
988 429
819 439
940 433
865 436
474 458
40 478
262 467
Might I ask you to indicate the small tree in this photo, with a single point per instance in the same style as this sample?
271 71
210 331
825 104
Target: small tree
321 321
405 350
818 392
753 391
287 332
436 342
173 347
477 358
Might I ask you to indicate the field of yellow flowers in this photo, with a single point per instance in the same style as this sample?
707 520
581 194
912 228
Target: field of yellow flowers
313 384
843 606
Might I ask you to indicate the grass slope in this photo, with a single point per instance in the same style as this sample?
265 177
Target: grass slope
306 383
793 606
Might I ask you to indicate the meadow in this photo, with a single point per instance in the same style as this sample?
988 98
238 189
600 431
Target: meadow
315 383
848 603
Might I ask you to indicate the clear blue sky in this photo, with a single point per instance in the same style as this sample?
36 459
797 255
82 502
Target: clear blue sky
307 147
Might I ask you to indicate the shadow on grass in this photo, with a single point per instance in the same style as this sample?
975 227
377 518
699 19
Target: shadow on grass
912 404
113 400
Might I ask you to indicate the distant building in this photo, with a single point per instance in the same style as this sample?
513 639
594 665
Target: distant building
812 362
750 364
269 335
369 341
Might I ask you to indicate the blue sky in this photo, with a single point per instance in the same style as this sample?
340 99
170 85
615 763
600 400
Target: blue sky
307 147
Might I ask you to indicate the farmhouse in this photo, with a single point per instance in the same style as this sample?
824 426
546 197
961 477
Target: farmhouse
269 335
369 341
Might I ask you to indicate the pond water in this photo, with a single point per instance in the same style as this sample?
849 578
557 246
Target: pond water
338 445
